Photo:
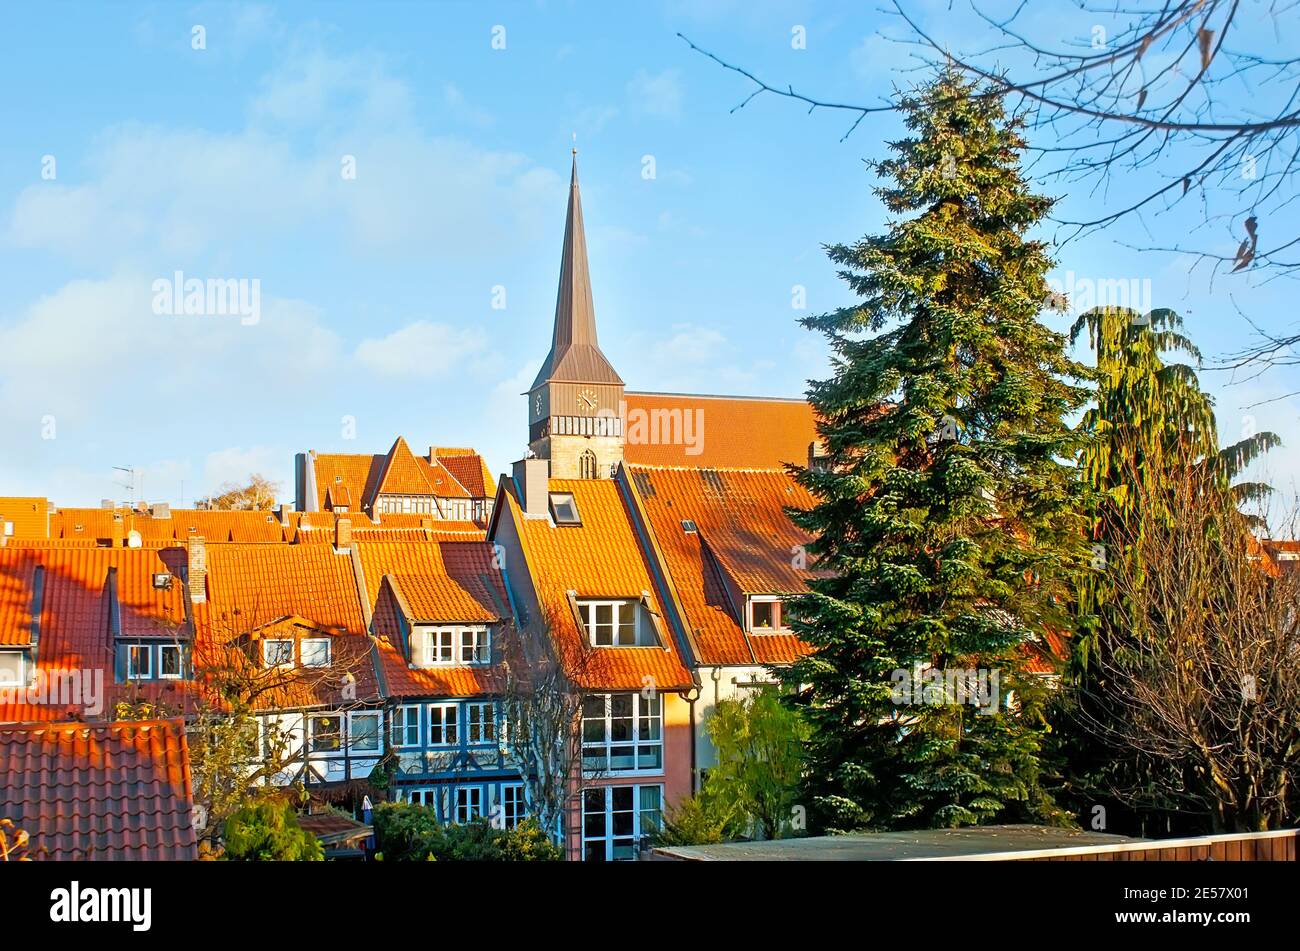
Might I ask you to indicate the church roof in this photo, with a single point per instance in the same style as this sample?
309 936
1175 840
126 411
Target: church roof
733 432
575 354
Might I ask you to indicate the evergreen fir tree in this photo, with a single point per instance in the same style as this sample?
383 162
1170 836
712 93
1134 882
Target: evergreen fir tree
949 517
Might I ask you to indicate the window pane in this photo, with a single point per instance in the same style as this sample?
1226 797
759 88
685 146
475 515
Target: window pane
605 614
326 734
762 614
365 732
169 660
315 652
11 667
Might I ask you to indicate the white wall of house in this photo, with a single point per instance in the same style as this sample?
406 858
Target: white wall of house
717 684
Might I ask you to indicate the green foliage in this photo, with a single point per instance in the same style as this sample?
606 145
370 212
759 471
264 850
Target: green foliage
760 762
406 832
269 832
948 518
1150 421
702 819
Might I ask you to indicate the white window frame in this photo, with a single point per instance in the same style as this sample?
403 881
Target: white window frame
472 806
445 645
22 669
640 829
266 654
647 720
778 615
180 662
441 730
490 722
139 650
302 653
311 734
375 715
422 796
514 805
406 712
641 627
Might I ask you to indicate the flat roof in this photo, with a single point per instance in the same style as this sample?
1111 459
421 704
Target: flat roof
982 842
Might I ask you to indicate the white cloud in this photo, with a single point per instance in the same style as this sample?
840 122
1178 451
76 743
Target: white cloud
461 109
659 96
421 349
236 463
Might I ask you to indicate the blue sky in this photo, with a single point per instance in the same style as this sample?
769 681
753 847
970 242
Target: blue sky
377 292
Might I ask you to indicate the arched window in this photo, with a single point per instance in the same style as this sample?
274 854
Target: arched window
587 465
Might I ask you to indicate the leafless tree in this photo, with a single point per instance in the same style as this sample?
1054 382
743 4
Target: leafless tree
542 704
1199 682
238 749
1165 93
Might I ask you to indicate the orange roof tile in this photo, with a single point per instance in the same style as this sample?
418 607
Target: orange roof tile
77 613
112 791
250 586
725 431
17 587
445 484
401 474
743 544
446 582
470 470
602 557
30 516
359 474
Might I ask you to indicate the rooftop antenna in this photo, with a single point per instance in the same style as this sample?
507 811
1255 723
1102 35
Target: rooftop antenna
129 484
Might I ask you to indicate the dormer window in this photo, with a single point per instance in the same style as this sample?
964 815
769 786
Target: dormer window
277 653
768 615
315 652
564 509
312 652
151 660
616 624
139 662
457 645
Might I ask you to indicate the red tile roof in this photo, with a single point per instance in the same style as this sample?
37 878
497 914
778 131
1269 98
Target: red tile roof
401 474
726 431
111 791
30 516
250 586
17 576
743 544
356 479
76 613
470 470
432 582
601 558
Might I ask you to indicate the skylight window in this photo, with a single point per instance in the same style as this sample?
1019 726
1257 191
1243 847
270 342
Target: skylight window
689 527
564 509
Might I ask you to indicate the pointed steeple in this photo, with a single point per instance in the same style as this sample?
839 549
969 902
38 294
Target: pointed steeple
575 355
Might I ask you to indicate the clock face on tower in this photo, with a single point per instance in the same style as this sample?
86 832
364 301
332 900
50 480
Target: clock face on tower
537 406
587 401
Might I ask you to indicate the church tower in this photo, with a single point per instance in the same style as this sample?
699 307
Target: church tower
574 417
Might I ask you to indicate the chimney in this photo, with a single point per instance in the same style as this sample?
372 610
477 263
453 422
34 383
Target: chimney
284 514
343 534
198 574
532 480
119 530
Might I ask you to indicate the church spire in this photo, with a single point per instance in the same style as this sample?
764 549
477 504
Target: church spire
575 355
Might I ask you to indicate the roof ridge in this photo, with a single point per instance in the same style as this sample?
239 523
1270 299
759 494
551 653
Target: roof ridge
720 396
